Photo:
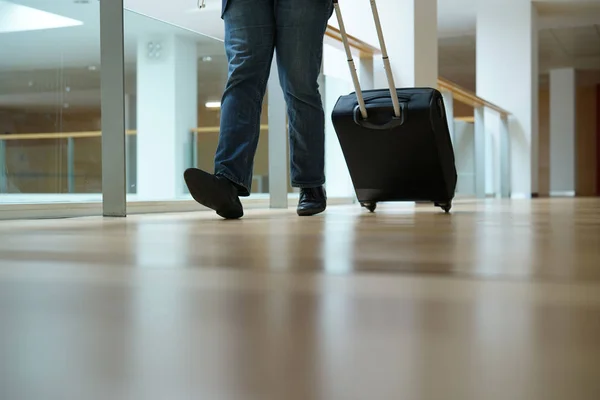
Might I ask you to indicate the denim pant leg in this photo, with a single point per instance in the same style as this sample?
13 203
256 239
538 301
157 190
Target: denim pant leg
249 45
301 27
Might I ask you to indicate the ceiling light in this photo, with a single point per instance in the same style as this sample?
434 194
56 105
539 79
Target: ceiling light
18 18
213 104
207 58
92 68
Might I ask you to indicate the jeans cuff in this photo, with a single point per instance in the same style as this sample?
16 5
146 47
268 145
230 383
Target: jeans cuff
308 185
242 189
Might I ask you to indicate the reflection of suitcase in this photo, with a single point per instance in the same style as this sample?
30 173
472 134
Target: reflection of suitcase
397 148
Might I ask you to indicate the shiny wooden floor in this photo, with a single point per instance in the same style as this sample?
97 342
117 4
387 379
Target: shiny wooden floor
499 300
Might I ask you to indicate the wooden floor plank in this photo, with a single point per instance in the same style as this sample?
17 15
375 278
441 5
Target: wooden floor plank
498 300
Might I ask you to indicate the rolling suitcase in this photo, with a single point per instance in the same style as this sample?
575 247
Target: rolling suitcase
396 142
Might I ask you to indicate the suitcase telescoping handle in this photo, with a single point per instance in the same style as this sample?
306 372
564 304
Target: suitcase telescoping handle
386 60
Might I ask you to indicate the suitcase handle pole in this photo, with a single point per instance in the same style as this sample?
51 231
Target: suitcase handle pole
355 81
386 60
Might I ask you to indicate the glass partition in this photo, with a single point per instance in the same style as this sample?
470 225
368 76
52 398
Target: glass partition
49 101
174 80
50 117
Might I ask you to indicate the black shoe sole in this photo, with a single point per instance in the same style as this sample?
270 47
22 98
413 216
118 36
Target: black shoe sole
309 212
213 193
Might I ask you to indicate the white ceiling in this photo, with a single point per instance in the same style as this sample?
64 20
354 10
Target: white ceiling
54 58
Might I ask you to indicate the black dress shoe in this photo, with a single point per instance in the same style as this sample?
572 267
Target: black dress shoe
214 192
312 201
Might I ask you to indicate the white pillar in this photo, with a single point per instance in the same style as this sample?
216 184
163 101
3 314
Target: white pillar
449 105
562 131
411 34
492 152
366 72
504 157
167 109
480 153
507 75
278 160
464 145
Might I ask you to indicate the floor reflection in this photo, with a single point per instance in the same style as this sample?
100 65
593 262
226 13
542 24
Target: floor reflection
498 301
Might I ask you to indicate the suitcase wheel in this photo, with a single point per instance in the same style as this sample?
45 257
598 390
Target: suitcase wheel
445 206
371 206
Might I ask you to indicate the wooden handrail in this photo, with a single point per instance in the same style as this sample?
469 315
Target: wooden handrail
216 129
57 135
333 36
467 97
91 134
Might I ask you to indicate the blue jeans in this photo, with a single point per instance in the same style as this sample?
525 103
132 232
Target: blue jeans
253 30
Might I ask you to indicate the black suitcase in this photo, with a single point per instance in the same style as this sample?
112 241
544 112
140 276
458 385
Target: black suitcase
397 148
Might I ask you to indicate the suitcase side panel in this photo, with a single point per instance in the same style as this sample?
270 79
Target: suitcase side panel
444 143
400 164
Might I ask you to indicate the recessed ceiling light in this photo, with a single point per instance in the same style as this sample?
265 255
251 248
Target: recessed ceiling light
18 18
207 58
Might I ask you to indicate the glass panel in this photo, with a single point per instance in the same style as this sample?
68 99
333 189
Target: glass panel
174 82
49 101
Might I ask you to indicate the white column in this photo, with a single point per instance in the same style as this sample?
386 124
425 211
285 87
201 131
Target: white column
167 109
562 131
507 75
410 30
504 157
480 153
492 152
464 145
278 160
449 105
366 72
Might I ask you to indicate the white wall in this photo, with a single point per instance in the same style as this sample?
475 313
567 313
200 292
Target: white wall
507 73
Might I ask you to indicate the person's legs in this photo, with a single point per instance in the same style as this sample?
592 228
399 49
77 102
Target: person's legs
301 27
249 45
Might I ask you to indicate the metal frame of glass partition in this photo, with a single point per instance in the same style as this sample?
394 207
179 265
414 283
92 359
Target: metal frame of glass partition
112 87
